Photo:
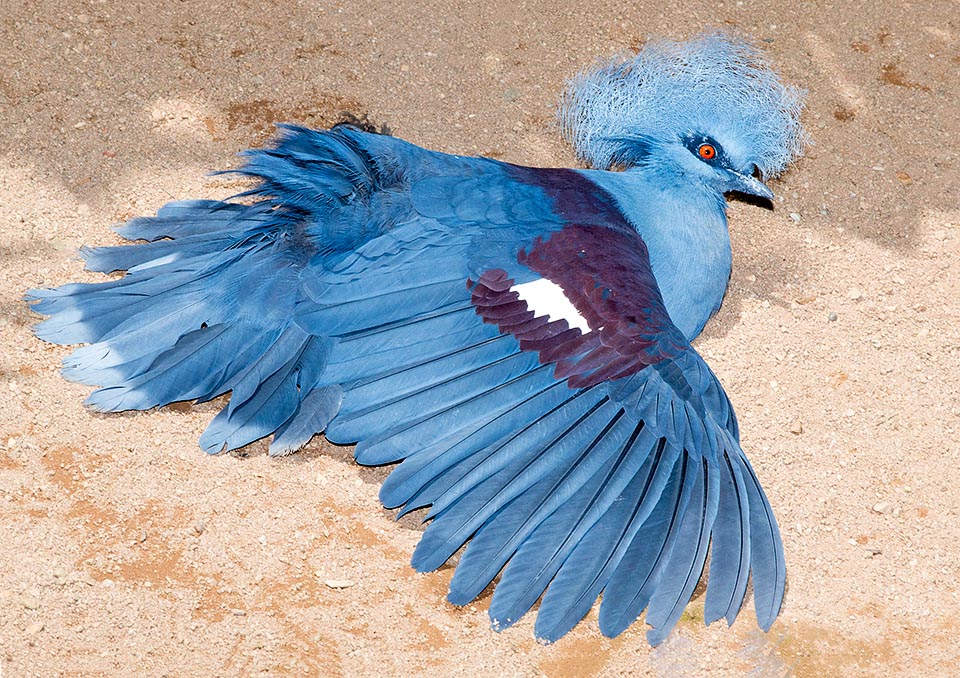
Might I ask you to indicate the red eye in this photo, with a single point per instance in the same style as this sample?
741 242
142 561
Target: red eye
707 152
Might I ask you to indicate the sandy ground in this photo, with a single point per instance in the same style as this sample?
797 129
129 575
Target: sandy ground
126 551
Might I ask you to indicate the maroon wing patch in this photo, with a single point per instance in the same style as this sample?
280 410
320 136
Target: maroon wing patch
607 277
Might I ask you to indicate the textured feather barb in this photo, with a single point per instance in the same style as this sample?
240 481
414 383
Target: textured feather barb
715 83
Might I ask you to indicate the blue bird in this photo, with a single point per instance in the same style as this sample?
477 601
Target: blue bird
516 339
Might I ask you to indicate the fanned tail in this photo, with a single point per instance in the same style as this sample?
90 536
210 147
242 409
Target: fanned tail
207 303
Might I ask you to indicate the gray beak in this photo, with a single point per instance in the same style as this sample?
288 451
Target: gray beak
742 183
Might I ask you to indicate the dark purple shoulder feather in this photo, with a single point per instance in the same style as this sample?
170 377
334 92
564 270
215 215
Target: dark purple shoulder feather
606 275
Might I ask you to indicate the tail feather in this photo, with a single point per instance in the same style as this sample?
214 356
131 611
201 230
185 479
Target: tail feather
315 411
310 167
206 305
134 258
268 394
193 368
89 313
183 218
130 350
187 322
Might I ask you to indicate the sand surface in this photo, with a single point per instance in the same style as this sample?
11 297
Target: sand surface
126 551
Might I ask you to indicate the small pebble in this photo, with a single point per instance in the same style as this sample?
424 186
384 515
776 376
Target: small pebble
31 603
832 317
795 216
199 527
34 628
882 507
338 583
796 428
854 293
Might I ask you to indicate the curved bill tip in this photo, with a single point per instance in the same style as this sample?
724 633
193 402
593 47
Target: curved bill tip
747 185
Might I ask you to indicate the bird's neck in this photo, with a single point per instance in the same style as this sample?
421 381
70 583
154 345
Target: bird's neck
685 229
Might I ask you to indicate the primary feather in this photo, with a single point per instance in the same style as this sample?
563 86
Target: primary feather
517 338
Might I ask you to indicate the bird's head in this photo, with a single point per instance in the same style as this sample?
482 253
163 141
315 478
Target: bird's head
709 112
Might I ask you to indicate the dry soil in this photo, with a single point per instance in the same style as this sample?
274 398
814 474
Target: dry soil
126 551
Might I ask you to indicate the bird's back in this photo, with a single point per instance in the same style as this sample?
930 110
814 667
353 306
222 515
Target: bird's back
346 187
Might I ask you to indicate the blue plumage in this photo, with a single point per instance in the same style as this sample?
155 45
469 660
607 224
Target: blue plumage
518 339
713 85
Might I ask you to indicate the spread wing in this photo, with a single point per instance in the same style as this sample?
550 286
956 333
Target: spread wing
543 405
496 330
